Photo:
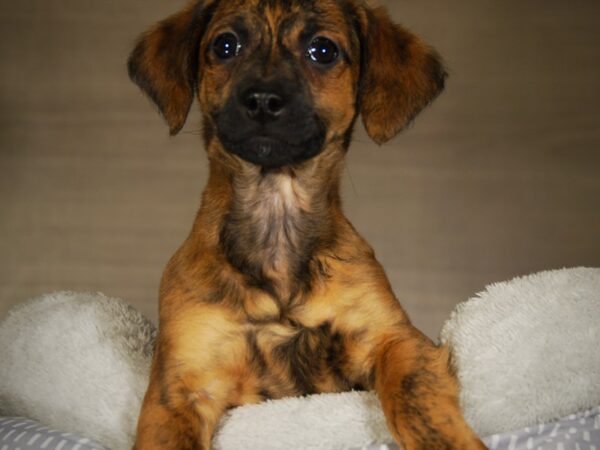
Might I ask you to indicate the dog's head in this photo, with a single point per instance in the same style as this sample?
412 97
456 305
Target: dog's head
280 80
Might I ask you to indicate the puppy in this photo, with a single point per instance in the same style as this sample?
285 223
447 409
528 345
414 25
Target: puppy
274 293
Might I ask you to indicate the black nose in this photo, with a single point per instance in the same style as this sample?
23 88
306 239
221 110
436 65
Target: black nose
263 105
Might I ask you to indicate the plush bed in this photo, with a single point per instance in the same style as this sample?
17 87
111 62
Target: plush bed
526 352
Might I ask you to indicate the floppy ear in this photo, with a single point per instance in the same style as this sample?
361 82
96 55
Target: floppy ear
164 63
401 75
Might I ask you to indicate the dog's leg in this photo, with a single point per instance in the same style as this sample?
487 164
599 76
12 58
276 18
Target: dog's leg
419 394
182 408
382 350
199 369
162 428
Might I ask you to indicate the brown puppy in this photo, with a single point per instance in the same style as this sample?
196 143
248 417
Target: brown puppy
274 293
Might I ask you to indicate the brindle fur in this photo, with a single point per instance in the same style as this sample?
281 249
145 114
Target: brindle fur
274 293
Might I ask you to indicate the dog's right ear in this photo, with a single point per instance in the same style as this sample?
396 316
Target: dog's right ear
164 63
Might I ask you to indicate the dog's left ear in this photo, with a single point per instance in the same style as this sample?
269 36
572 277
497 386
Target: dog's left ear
401 75
164 63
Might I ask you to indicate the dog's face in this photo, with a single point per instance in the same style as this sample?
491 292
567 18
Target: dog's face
279 81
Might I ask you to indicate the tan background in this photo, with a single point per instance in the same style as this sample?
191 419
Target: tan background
500 177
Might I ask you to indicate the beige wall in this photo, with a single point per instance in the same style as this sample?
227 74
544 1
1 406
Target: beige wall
501 176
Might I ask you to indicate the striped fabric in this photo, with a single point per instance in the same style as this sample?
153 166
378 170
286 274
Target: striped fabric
17 433
575 432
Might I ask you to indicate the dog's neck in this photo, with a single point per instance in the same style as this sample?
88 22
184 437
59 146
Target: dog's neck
274 222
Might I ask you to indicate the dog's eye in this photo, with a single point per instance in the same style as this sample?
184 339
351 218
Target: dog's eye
322 51
226 46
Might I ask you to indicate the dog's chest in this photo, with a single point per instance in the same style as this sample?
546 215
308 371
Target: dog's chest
275 212
276 216
291 359
269 232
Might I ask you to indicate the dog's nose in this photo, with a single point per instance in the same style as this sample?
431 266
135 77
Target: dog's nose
261 105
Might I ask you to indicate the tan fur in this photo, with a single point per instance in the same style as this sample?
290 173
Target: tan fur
274 293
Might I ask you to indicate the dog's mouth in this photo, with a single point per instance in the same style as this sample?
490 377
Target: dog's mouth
273 151
266 134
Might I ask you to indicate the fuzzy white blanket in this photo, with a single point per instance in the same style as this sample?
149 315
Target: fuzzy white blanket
526 351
